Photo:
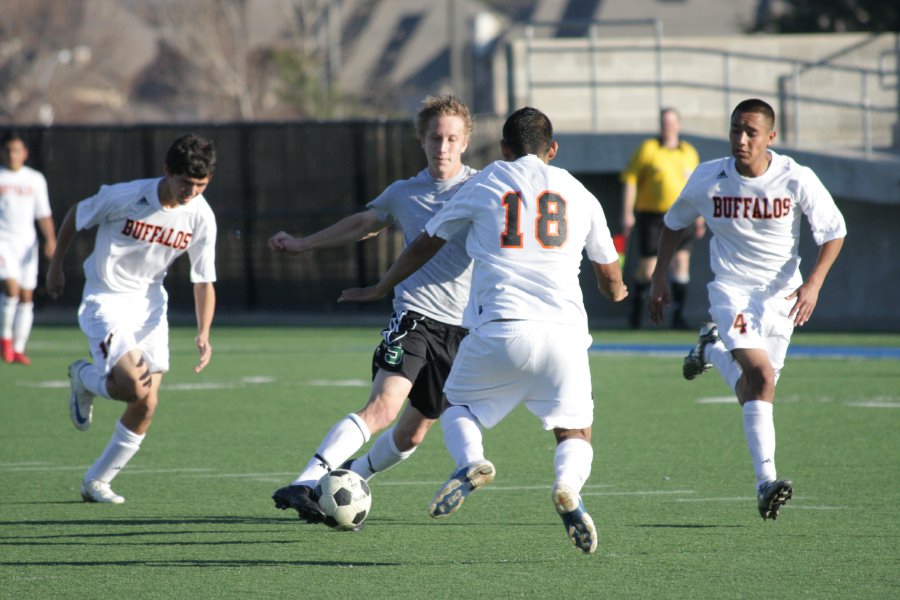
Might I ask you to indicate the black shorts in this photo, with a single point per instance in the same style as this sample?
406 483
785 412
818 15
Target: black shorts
422 350
649 225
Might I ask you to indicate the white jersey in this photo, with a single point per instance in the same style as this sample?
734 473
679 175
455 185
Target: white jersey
23 200
755 221
137 238
529 224
440 289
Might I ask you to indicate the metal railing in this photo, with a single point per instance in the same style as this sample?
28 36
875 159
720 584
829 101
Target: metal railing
787 79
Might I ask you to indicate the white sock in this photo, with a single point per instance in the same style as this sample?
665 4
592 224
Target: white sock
122 446
94 380
759 429
22 328
383 455
724 362
572 462
8 316
346 437
462 435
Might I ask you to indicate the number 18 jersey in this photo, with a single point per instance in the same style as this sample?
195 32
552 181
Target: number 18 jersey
529 223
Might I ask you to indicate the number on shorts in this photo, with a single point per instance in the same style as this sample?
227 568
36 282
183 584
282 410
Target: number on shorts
550 227
740 323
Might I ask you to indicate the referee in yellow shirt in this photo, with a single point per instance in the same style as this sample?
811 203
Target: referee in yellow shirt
652 182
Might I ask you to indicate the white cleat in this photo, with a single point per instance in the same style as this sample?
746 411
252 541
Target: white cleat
578 523
99 491
463 482
81 401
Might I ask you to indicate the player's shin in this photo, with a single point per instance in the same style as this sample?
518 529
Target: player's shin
383 455
123 445
759 430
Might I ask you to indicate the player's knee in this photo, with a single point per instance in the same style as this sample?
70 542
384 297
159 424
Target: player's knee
379 412
759 380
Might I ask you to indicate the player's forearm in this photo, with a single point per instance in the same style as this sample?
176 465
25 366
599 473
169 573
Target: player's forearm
609 280
629 194
45 224
410 260
828 253
64 239
204 307
351 229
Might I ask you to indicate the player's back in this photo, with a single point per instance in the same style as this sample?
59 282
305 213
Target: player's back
530 223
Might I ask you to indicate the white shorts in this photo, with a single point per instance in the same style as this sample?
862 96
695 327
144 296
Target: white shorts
543 365
116 324
19 263
753 317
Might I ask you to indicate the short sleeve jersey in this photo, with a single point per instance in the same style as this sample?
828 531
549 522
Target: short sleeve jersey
138 238
23 200
755 221
528 225
659 174
440 289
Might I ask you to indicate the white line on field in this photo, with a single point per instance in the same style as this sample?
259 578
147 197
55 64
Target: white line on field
339 382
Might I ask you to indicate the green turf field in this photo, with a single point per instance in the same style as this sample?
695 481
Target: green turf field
671 490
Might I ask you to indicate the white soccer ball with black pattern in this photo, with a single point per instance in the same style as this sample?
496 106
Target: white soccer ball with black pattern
345 499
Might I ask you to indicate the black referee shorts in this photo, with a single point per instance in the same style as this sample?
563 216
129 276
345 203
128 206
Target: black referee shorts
422 350
649 226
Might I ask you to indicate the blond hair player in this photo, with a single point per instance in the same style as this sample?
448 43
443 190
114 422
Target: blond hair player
23 201
142 227
425 330
753 203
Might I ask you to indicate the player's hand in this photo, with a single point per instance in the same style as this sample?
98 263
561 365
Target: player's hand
56 283
366 294
659 300
284 242
806 296
205 349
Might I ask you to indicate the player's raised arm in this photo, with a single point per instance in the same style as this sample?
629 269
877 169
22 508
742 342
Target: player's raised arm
410 260
355 228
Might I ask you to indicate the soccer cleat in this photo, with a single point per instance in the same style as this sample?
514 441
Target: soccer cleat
99 491
695 363
21 358
6 349
81 401
772 495
302 499
464 481
578 523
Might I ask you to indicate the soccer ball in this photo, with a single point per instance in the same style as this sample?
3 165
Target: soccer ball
345 499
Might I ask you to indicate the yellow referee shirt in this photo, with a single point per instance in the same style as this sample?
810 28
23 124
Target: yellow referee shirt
659 173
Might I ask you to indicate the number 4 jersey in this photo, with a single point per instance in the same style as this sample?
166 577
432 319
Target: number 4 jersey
529 224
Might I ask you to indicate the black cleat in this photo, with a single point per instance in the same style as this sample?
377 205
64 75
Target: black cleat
695 362
302 499
772 496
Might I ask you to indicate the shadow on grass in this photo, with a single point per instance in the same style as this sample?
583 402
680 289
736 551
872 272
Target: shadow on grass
166 564
687 526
